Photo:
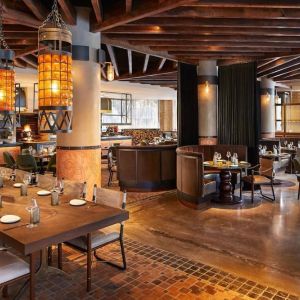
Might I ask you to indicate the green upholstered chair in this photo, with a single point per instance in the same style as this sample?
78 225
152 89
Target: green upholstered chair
9 160
25 151
51 167
26 162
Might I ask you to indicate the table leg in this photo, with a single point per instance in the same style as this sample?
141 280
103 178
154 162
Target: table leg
226 196
89 262
42 167
32 276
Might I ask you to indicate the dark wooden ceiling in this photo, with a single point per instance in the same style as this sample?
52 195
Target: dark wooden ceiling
267 31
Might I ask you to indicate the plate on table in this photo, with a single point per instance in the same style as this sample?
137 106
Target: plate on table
77 202
43 193
243 162
9 219
17 185
206 163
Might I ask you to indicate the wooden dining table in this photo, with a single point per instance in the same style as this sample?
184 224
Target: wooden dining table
57 224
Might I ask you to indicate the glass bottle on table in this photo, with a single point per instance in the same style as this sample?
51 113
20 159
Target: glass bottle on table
95 193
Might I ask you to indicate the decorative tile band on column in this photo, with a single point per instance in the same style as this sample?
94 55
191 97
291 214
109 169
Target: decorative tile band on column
80 165
208 140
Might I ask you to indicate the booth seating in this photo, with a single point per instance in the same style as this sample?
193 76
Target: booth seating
193 189
146 168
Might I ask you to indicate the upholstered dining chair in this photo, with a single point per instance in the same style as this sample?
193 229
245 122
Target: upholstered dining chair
51 167
12 269
264 176
9 160
26 162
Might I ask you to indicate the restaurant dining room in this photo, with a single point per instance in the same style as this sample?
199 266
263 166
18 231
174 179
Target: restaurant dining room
150 149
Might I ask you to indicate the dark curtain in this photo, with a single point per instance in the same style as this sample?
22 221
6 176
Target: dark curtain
187 105
238 107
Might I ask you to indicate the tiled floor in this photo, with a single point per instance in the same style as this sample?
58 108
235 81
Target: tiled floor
152 273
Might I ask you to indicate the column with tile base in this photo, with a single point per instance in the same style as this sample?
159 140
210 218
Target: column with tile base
78 152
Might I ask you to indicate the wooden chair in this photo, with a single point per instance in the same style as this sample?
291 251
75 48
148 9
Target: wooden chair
264 176
112 168
12 269
98 239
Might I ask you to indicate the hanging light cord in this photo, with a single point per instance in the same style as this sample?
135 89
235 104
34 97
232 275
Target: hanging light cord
54 18
2 40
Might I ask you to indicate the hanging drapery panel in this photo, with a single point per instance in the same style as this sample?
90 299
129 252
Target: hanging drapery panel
238 106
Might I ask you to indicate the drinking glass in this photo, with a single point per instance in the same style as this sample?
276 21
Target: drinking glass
285 143
30 150
27 178
228 155
219 157
34 217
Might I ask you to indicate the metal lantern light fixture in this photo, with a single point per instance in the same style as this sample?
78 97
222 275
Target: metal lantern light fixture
110 72
7 80
55 83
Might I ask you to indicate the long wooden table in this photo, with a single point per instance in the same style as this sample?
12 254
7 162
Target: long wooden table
58 223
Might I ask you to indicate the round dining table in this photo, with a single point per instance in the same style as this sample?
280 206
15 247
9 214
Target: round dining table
225 168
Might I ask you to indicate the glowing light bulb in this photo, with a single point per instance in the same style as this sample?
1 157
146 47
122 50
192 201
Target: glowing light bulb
2 94
54 87
110 72
206 86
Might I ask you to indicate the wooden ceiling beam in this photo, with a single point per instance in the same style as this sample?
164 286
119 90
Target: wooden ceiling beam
98 10
224 43
29 50
19 63
295 70
150 38
247 3
278 66
150 73
208 30
112 56
30 62
19 35
146 61
37 8
233 12
193 49
220 22
150 8
285 70
275 64
129 55
162 63
128 4
13 16
69 11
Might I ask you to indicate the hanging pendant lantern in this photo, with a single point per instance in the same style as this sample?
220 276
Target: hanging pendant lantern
55 85
7 81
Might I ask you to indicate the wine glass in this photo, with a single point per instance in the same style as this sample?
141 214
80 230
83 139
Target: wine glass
219 157
30 150
228 155
285 143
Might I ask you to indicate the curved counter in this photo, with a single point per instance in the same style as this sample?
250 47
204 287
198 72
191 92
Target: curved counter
147 168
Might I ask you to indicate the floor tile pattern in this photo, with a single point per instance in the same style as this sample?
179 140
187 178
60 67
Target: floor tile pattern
152 273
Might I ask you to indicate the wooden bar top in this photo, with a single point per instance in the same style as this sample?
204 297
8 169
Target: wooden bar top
58 223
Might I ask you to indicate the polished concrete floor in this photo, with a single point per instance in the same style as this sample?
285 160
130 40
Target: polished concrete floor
260 241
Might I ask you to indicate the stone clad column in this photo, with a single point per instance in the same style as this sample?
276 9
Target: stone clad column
207 102
78 152
267 104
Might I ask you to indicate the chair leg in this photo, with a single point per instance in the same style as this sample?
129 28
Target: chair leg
124 265
109 178
299 190
59 256
272 187
252 192
89 263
